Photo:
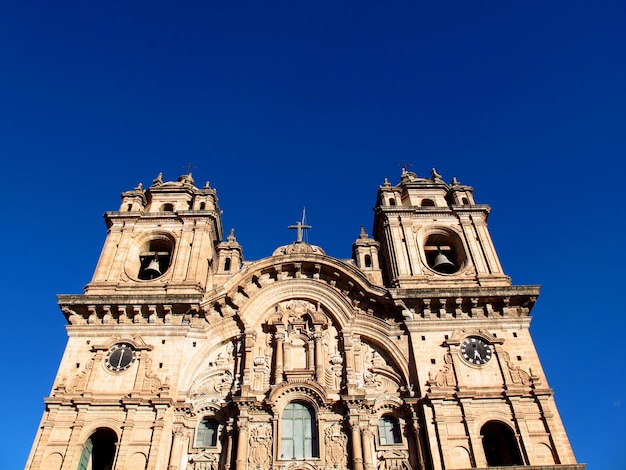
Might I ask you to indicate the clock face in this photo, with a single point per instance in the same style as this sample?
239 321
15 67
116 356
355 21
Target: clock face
475 350
120 357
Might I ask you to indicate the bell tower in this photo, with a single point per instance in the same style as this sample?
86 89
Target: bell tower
163 239
434 234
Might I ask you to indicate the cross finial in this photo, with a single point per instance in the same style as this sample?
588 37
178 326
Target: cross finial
405 166
300 226
189 167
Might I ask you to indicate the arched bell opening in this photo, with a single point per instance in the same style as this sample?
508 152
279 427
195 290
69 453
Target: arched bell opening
444 252
500 445
368 261
99 451
155 257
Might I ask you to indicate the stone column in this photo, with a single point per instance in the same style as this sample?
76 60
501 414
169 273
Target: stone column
127 431
319 357
278 372
522 434
43 435
368 448
357 448
157 434
249 339
242 446
430 420
180 439
476 442
227 456
349 362
75 446
418 440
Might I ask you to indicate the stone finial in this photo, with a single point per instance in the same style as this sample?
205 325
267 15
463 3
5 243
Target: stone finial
139 187
436 176
207 185
363 233
455 182
158 181
231 236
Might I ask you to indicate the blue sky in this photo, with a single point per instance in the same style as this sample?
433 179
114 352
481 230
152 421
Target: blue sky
282 105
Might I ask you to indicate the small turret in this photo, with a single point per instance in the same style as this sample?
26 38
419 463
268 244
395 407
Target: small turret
365 255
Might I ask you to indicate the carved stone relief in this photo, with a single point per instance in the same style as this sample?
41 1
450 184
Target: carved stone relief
218 377
376 375
518 375
445 377
260 446
393 460
335 443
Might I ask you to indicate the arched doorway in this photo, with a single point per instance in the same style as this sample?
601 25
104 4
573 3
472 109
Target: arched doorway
500 445
99 451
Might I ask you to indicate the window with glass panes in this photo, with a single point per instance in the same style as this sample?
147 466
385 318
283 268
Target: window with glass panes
206 435
389 430
298 432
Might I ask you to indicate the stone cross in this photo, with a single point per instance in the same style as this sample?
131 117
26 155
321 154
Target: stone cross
300 226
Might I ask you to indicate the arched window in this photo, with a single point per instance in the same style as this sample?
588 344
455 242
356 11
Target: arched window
389 430
168 207
368 261
227 264
99 451
206 435
298 432
428 203
392 202
202 206
500 445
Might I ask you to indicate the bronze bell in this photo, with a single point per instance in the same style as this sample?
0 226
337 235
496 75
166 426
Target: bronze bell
443 264
153 270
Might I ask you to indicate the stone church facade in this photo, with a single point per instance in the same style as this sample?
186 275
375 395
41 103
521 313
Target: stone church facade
413 355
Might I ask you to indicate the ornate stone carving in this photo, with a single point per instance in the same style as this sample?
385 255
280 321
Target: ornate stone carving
260 446
79 384
204 461
376 373
393 460
518 375
152 383
445 377
335 442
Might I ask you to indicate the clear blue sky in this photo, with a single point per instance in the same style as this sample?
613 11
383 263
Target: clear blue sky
289 104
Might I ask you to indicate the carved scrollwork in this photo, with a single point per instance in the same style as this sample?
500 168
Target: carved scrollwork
518 375
445 377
